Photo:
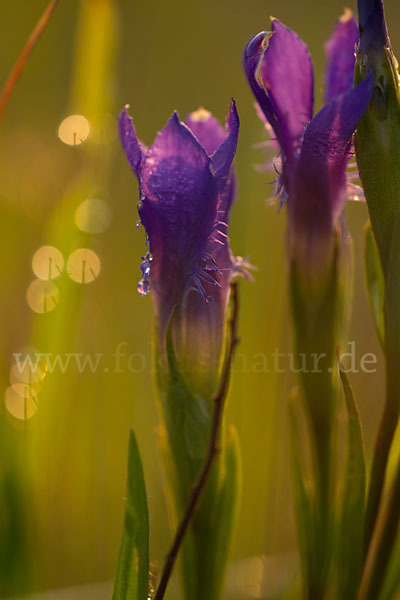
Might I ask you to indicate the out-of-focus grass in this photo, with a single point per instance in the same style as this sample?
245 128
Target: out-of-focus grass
70 459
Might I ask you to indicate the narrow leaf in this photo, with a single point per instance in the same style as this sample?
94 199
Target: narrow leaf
132 579
222 517
375 282
351 527
391 585
304 505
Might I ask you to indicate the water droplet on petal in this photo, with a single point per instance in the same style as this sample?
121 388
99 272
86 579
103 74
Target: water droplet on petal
143 287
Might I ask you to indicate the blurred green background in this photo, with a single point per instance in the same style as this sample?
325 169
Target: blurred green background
63 468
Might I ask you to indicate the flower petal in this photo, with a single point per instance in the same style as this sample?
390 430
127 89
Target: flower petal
130 142
206 128
223 156
178 210
319 186
286 74
340 51
253 53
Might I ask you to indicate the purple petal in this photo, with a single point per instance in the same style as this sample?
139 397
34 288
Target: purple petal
206 128
178 210
373 31
130 142
253 53
223 156
213 137
286 74
340 51
319 187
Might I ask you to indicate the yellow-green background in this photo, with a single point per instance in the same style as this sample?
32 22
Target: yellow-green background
69 463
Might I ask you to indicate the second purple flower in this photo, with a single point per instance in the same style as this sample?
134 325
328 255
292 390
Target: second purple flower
186 191
314 151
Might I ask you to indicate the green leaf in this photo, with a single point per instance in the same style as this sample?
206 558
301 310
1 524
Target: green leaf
304 505
391 585
392 339
221 514
132 579
375 282
377 145
351 526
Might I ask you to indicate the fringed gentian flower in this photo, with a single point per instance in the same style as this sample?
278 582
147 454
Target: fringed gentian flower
314 154
186 188
186 192
314 151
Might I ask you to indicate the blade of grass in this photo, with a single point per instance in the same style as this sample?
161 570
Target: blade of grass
132 578
23 57
351 532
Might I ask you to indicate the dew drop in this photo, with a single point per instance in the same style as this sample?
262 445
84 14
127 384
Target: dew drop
143 287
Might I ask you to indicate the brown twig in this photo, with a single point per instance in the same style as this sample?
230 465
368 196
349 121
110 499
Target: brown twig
213 449
23 57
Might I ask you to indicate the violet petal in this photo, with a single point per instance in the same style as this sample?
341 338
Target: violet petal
130 142
287 75
178 209
206 128
252 56
340 51
320 176
223 156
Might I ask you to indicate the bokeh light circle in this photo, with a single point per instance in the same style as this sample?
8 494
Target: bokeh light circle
24 372
93 216
21 401
42 296
74 130
47 262
83 265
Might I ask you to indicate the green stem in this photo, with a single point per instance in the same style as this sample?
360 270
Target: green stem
382 448
322 435
379 557
198 486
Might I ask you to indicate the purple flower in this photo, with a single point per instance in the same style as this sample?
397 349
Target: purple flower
186 191
314 151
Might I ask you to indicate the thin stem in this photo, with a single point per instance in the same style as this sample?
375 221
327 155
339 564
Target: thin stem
23 57
212 452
